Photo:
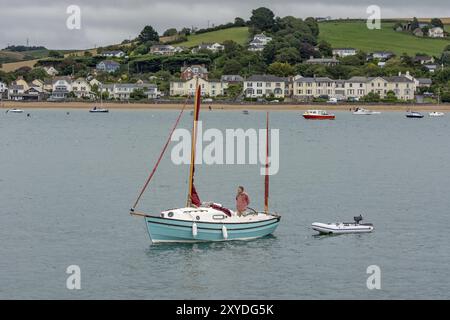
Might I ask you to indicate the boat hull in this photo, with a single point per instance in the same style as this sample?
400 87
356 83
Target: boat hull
170 230
318 117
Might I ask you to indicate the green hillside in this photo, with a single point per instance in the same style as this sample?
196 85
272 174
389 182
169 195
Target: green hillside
355 34
238 34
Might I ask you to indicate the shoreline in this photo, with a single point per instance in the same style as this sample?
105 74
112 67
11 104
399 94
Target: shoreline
223 106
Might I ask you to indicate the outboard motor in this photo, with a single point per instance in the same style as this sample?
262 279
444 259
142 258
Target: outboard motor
358 219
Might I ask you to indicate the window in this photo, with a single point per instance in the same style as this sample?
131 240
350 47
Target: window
259 91
268 84
249 84
259 84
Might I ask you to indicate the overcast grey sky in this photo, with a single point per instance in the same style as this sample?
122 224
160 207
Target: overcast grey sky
106 22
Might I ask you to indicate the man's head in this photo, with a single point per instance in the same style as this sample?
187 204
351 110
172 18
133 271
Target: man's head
240 189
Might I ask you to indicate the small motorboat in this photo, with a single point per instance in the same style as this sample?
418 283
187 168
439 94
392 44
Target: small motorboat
436 114
365 112
343 227
14 110
98 110
318 115
414 114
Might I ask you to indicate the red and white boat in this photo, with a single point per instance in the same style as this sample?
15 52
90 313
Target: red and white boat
318 115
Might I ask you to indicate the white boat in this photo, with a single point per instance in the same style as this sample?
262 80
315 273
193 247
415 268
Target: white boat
436 114
206 221
365 112
343 227
98 110
14 110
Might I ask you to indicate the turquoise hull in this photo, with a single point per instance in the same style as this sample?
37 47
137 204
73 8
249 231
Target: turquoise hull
171 230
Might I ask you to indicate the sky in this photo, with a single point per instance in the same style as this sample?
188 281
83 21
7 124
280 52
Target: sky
105 22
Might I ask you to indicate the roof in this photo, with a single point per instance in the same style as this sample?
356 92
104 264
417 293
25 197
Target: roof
266 78
344 49
424 80
112 52
398 79
202 68
110 62
231 77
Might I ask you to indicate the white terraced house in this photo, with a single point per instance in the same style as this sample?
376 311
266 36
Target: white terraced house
123 91
3 91
82 89
308 88
260 86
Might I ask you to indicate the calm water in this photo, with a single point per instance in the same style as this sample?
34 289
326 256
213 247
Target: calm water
67 182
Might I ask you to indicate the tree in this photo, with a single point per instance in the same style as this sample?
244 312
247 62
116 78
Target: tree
414 24
281 69
288 55
232 67
262 19
170 32
234 90
185 31
312 24
239 22
138 94
436 22
55 54
325 49
148 34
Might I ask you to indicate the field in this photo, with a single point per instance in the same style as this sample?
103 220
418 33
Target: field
239 35
355 34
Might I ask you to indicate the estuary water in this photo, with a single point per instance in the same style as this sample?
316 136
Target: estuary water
67 182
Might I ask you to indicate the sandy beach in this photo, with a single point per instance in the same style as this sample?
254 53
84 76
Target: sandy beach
224 106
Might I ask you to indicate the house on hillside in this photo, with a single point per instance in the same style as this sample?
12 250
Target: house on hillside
323 61
190 72
108 66
213 47
51 71
422 59
209 88
431 67
381 55
165 49
436 32
113 54
344 52
260 86
418 32
34 94
259 42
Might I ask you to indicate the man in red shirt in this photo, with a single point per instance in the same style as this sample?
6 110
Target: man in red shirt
242 201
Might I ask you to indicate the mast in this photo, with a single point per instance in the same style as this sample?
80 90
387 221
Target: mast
194 143
266 178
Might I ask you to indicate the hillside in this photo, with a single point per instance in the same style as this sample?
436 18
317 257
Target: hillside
238 34
355 34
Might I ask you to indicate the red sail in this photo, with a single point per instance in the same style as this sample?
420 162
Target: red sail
193 198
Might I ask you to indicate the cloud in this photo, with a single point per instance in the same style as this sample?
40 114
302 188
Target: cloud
106 22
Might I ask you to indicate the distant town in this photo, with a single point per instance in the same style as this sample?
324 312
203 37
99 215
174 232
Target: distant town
265 59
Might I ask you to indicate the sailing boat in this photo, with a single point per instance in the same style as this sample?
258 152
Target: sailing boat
199 222
101 109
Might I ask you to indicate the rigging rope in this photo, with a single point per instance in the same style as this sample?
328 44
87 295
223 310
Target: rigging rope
160 157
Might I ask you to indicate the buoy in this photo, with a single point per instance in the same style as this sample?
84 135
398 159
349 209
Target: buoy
194 230
224 232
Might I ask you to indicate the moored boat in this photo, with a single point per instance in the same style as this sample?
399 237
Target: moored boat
98 110
414 114
365 112
14 110
318 115
343 227
436 114
206 221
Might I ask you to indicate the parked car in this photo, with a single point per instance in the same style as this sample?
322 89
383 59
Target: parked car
332 100
207 100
